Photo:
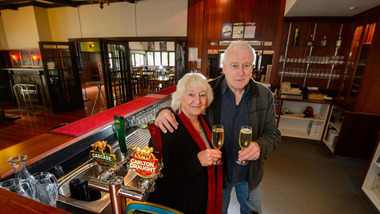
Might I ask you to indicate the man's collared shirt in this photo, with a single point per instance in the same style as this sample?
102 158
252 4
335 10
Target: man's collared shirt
232 118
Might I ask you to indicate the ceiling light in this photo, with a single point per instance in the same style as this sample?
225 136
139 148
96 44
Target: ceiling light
101 2
352 8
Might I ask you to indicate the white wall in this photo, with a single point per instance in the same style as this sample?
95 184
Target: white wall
149 18
20 28
289 4
3 38
114 20
161 18
64 23
42 21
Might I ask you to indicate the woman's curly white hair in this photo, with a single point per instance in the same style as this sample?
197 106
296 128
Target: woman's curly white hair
196 80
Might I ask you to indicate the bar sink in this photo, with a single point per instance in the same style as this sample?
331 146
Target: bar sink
85 172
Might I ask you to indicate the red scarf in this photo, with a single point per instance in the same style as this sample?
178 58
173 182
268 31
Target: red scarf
215 189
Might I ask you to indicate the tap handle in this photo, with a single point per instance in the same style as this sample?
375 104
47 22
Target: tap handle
156 139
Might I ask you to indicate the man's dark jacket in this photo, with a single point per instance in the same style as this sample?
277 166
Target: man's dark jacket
261 113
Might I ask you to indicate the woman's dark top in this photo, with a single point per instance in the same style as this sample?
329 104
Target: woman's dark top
184 185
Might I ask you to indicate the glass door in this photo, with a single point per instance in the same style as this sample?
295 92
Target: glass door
59 60
116 72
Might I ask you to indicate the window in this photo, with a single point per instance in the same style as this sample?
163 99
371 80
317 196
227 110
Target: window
171 59
163 58
157 58
137 59
150 58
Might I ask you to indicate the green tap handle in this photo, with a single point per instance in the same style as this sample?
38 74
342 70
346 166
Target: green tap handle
120 132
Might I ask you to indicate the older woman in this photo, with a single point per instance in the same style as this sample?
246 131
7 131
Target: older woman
190 182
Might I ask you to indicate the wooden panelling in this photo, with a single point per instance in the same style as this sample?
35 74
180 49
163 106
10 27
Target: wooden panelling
369 93
263 13
195 27
358 135
267 15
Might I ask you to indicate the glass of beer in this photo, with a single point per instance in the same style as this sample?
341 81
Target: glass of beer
217 139
244 140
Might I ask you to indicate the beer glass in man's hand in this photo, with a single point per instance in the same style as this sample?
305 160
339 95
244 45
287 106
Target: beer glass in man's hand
244 141
217 139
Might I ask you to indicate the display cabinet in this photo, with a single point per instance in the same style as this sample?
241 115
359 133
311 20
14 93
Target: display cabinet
356 62
350 133
334 126
313 54
294 121
371 182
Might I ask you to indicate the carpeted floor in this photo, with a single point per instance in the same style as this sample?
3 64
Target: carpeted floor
301 177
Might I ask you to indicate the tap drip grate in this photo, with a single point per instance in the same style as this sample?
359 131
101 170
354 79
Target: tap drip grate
138 138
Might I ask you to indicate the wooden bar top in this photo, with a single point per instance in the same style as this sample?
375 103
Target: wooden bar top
35 148
11 202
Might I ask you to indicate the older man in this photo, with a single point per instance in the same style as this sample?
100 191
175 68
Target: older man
238 101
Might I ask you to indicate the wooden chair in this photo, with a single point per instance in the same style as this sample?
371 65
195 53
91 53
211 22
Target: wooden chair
137 81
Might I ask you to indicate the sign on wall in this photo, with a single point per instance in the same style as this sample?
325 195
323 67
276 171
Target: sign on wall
227 30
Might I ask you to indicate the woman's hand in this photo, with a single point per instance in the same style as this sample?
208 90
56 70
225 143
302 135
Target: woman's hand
207 157
165 120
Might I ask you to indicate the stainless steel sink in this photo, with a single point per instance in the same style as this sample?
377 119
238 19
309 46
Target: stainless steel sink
89 170
86 171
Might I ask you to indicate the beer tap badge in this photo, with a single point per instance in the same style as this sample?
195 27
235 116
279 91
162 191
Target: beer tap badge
143 162
102 153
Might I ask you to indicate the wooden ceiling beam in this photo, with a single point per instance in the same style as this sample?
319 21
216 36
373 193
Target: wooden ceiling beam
62 2
9 6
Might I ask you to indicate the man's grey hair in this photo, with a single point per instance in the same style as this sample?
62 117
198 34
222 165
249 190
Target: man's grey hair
196 80
239 45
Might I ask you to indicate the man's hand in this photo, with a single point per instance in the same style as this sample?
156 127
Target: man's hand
250 153
207 157
165 120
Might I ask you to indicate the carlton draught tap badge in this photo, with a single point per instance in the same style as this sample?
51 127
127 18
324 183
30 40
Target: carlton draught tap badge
143 162
102 153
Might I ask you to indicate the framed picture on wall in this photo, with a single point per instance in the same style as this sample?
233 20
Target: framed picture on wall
162 46
151 46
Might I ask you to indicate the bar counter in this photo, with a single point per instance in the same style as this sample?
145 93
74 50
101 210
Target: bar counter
45 148
44 145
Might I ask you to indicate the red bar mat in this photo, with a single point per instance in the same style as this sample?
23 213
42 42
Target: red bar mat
168 90
87 124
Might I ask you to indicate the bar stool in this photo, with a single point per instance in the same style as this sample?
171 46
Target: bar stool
27 95
99 95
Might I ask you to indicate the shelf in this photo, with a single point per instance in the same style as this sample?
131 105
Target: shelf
336 126
329 146
372 196
298 134
355 84
301 118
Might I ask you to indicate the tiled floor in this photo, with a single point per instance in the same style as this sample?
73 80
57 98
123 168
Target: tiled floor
301 177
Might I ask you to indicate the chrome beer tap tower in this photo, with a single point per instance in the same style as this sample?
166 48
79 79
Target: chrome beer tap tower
142 168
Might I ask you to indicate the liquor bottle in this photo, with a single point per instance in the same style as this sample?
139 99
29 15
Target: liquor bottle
310 42
339 42
323 41
296 37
